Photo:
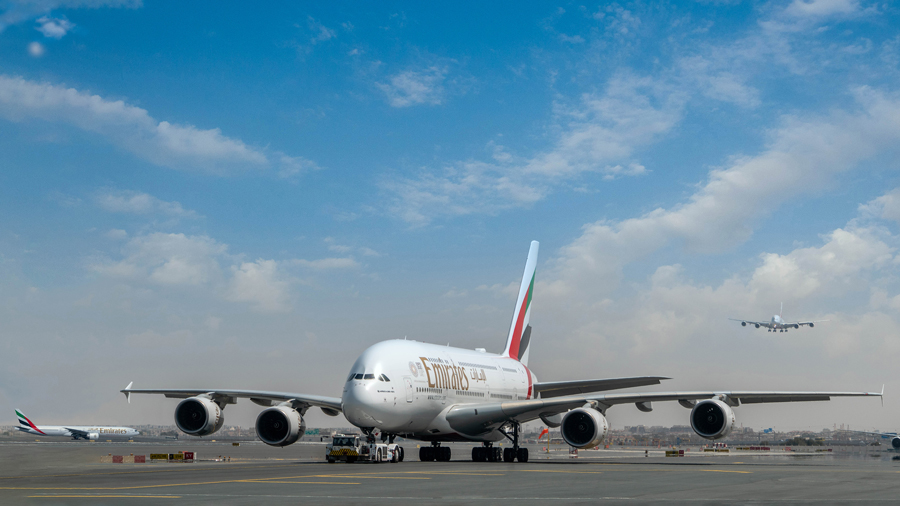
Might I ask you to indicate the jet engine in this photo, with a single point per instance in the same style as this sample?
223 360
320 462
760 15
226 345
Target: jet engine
796 326
895 443
280 426
199 416
584 428
756 325
743 324
811 325
712 419
93 436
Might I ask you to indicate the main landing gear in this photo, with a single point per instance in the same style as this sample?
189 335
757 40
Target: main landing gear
435 452
488 453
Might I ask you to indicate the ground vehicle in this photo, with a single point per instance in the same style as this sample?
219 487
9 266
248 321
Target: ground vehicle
352 448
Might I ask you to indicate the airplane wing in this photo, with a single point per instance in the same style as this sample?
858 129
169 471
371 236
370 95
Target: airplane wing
476 419
749 322
882 434
330 405
77 433
810 323
559 388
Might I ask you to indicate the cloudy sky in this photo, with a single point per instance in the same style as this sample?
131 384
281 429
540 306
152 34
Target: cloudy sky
199 195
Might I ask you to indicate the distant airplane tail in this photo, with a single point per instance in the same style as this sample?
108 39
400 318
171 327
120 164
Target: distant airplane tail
519 339
25 423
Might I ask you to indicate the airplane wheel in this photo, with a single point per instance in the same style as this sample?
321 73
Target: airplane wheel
491 456
508 455
331 461
475 453
447 453
523 455
424 454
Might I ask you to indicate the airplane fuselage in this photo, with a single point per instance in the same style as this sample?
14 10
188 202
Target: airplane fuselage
405 387
64 431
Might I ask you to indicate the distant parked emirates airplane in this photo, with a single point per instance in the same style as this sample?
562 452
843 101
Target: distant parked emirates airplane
777 324
73 431
438 394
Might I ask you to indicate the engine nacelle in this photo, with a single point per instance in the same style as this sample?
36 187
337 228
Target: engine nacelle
743 324
756 324
895 443
584 428
93 436
199 416
811 325
712 419
280 426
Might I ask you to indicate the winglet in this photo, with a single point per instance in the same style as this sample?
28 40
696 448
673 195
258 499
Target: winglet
127 392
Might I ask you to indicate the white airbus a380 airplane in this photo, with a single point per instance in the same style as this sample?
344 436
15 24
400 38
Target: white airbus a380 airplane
92 433
777 324
438 393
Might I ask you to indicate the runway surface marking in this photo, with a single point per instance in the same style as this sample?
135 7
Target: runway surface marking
557 471
144 471
725 471
104 496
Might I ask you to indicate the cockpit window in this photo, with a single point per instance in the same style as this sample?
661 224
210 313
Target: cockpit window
382 377
369 376
351 376
359 376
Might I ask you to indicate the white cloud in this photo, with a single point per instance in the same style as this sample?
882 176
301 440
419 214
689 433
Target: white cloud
885 207
717 83
834 267
17 11
803 155
132 128
36 49
334 246
261 284
125 201
54 28
116 234
321 33
618 19
168 259
598 134
822 8
328 263
415 87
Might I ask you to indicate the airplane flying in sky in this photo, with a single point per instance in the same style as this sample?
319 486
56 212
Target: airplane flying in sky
777 324
437 394
73 431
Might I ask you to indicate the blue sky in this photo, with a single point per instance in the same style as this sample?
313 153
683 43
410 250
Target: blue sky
208 193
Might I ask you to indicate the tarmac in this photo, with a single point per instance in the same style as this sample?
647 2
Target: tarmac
52 473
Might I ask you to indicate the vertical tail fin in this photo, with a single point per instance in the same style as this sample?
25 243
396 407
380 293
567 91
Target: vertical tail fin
517 343
25 422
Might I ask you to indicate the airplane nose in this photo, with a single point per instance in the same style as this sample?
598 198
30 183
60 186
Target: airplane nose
357 403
